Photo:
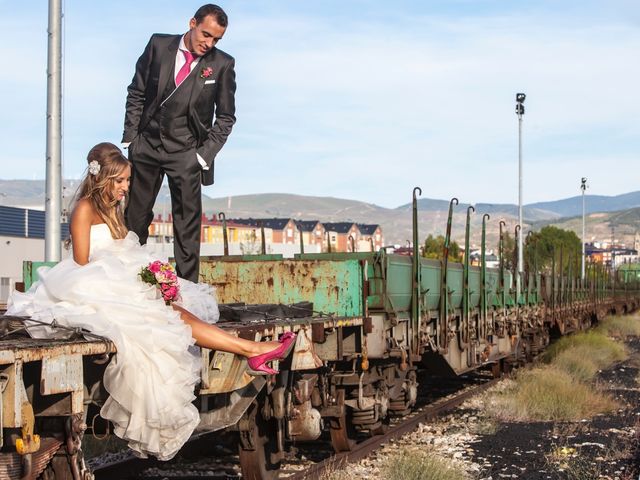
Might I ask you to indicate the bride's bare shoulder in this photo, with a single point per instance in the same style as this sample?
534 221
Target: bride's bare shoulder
84 212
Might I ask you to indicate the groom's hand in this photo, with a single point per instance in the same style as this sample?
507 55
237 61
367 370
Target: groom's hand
202 163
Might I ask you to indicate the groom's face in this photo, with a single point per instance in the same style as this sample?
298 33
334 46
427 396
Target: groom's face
203 36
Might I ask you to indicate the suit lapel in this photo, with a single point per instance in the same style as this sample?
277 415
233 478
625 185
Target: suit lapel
167 64
198 81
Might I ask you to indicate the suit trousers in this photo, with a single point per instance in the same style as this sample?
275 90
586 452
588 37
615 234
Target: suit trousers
149 166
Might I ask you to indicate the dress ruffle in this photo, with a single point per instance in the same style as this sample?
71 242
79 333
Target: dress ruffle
151 379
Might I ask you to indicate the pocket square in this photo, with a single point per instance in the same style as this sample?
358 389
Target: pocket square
207 82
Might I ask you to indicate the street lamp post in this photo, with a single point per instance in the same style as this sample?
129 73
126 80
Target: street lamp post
53 197
583 187
520 97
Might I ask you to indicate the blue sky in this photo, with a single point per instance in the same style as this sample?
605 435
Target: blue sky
360 99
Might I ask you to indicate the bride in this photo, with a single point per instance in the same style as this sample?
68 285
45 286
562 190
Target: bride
152 377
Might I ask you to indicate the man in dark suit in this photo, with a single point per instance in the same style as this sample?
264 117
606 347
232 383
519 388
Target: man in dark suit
181 82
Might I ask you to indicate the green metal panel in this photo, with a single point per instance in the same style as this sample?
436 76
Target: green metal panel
390 283
333 286
399 272
508 286
455 284
430 280
493 280
30 272
338 256
474 287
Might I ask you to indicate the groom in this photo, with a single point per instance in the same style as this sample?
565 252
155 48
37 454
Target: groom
181 82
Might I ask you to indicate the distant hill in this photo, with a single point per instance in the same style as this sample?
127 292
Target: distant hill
289 205
593 203
30 193
620 211
528 212
622 225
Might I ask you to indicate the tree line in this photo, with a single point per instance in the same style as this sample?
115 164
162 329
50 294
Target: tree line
540 249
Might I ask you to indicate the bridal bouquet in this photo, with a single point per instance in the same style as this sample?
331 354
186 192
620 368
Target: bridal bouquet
164 277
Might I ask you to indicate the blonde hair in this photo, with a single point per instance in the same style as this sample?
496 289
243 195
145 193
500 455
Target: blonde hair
97 186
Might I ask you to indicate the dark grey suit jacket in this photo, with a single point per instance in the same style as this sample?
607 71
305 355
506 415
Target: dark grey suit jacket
155 68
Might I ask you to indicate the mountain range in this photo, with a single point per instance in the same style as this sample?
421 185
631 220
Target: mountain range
620 212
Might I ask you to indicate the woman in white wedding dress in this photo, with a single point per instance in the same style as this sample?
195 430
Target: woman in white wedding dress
152 377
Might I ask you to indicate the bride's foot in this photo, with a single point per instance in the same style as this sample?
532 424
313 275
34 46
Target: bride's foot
257 365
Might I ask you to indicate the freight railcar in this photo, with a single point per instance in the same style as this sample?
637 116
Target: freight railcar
366 323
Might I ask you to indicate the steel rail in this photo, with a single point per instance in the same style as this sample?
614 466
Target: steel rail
429 412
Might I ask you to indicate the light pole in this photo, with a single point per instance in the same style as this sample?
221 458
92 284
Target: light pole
583 187
53 197
520 97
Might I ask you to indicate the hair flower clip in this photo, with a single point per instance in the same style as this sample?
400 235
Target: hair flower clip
206 72
94 167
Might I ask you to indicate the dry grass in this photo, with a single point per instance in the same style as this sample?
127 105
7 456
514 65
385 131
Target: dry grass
548 394
620 326
582 355
409 464
563 389
596 342
421 465
583 362
336 475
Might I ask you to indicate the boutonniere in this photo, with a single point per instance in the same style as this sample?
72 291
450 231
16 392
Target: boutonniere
206 72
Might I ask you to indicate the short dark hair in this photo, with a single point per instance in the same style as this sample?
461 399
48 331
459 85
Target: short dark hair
210 9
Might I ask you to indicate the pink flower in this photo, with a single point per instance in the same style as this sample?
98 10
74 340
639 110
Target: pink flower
154 267
171 292
206 72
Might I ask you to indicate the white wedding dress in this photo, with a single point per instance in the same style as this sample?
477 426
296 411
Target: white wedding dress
152 377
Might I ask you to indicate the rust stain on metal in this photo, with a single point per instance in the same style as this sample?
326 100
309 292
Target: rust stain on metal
33 350
287 282
317 333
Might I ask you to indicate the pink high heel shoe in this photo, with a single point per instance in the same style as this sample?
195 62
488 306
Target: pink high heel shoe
258 365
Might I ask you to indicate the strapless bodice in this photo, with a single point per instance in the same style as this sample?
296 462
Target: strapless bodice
100 237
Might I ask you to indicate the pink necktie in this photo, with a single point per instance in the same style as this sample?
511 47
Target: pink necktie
186 68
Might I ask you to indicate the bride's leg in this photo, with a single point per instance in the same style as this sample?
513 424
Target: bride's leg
215 338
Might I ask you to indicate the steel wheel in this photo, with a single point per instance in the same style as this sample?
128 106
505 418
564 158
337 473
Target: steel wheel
343 435
258 446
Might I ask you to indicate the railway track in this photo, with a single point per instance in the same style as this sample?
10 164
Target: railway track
214 456
407 425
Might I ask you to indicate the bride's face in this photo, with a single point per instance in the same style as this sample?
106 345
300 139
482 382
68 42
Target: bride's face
120 185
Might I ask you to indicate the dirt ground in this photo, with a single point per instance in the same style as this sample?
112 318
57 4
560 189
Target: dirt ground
603 447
